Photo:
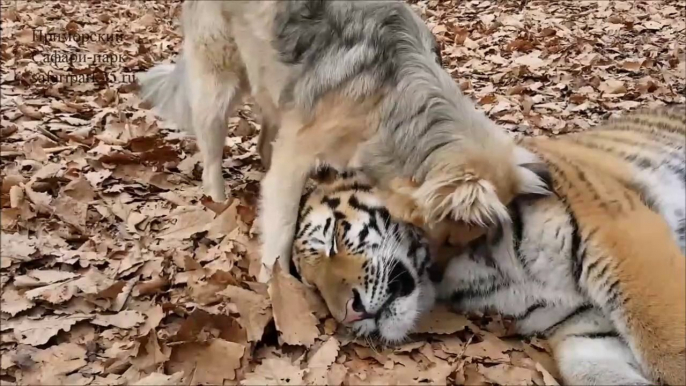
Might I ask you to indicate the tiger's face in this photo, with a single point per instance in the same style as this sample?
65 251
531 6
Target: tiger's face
371 271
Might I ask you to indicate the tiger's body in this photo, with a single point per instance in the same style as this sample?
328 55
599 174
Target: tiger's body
598 268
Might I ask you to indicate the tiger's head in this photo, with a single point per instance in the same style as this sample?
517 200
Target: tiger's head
372 271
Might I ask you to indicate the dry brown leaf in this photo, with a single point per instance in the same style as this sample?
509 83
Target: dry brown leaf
319 364
189 221
16 246
292 312
532 60
153 317
548 379
12 302
80 190
506 374
53 364
30 112
210 363
123 319
254 309
275 371
159 379
49 276
443 321
54 293
612 86
491 348
38 332
150 353
325 355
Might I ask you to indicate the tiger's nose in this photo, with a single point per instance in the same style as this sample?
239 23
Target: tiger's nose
355 310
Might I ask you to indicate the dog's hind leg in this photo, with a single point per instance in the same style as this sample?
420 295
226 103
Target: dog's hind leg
265 140
214 95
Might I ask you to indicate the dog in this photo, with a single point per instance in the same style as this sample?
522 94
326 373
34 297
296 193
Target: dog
349 84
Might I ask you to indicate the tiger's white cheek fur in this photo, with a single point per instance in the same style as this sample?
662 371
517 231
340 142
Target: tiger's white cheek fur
403 314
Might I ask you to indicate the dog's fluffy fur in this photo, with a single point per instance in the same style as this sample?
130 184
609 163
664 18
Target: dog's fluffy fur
353 83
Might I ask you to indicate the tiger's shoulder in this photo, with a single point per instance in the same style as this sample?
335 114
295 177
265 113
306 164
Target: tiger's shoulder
623 185
632 161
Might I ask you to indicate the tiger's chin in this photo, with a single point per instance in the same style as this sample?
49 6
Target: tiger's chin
395 323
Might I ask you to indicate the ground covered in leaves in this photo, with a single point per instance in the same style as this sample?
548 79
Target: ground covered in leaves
116 270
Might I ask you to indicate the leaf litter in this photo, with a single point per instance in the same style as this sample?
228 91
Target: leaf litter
115 269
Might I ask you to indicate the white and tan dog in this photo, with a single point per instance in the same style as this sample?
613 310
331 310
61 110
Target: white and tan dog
346 83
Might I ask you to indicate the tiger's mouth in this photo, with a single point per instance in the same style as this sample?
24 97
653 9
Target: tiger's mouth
395 322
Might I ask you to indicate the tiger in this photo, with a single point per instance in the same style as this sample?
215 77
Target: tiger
597 268
373 272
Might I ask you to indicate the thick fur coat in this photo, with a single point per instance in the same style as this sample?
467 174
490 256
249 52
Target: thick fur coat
348 83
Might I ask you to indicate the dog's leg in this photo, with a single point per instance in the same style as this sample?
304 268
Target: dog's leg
281 189
213 98
266 139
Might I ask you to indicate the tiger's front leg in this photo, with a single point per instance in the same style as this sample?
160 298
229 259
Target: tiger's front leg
589 351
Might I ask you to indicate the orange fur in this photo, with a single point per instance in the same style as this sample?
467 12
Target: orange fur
635 242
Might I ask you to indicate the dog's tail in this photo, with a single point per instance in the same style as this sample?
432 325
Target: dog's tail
165 86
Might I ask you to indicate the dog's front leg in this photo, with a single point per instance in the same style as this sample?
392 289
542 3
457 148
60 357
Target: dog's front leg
281 190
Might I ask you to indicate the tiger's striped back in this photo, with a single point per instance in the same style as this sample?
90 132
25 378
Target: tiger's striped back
623 184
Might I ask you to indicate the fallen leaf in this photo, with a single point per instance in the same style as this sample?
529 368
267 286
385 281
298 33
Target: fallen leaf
612 86
30 112
325 355
254 309
531 60
440 320
54 363
211 363
189 221
292 312
38 332
12 302
150 353
491 348
274 371
16 246
506 374
123 319
159 379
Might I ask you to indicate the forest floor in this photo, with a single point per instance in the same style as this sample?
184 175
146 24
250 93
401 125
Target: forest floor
116 270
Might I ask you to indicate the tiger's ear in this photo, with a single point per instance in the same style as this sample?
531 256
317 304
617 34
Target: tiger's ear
324 173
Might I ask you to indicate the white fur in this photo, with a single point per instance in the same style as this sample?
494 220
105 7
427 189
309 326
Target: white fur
606 361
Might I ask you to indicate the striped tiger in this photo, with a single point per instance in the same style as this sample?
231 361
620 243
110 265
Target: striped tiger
597 267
